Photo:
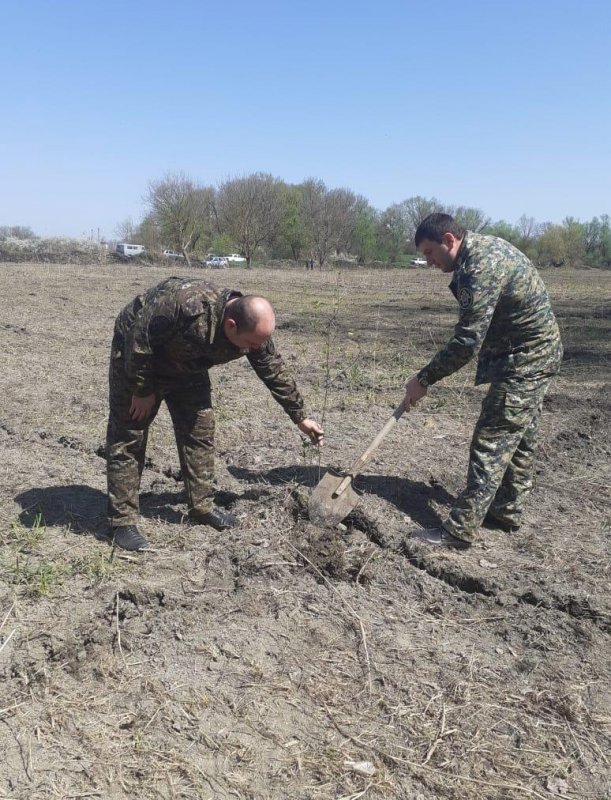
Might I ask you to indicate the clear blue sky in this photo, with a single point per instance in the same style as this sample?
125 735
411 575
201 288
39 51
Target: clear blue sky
501 105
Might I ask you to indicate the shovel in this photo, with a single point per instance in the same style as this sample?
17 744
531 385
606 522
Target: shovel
335 497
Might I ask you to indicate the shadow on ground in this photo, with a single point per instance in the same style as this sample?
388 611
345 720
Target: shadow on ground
78 507
82 509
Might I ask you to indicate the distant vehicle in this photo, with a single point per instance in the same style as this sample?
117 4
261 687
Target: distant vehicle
418 262
129 250
217 262
172 254
235 258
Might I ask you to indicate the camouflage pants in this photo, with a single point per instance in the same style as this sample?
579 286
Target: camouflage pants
190 407
501 460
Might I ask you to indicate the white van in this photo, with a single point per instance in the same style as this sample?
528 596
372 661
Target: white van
130 249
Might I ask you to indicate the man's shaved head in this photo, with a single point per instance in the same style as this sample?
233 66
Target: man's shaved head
250 312
249 321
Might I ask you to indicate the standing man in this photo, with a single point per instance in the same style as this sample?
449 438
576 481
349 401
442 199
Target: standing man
505 316
164 343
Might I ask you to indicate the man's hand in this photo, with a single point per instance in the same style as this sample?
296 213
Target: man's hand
313 431
141 407
414 392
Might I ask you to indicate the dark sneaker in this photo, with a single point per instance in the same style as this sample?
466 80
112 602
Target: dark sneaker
128 537
490 521
440 538
220 520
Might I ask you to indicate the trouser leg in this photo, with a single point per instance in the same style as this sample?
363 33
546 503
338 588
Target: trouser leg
508 413
518 481
125 447
193 419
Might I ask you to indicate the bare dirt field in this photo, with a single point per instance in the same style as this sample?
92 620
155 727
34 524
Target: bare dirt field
282 659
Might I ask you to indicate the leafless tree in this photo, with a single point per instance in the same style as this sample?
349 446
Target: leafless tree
292 236
414 210
315 218
528 229
393 231
17 232
182 210
126 230
329 217
250 210
473 219
344 207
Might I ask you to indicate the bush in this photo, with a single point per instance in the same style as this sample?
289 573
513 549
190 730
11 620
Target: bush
51 251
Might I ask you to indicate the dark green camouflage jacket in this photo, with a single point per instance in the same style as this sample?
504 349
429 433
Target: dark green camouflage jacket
173 333
504 315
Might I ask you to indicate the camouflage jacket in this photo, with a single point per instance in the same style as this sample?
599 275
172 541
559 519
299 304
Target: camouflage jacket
504 315
173 333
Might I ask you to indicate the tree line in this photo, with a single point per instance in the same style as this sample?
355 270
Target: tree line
310 221
260 213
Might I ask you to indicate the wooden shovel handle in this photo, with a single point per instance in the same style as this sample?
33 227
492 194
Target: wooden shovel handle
362 460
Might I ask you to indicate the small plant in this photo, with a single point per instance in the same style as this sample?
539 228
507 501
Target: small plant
309 452
97 566
355 375
44 577
37 579
28 536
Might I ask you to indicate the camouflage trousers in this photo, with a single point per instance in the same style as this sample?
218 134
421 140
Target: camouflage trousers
190 407
501 459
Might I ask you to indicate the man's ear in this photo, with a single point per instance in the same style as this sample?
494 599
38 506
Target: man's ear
229 324
448 239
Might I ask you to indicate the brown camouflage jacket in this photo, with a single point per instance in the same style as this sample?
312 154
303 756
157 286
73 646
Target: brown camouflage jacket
173 333
505 316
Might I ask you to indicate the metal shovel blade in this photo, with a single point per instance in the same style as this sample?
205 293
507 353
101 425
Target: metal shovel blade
326 506
335 497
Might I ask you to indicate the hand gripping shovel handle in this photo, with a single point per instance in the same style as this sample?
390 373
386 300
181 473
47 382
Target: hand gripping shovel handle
364 458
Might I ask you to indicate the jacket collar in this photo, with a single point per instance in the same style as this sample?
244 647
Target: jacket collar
464 250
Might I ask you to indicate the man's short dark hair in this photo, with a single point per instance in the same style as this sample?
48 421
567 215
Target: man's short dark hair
435 225
243 311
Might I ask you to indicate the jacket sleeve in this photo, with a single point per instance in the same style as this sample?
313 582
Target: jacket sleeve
274 373
478 288
155 323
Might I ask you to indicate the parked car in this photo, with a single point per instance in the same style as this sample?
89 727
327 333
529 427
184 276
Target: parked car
217 262
235 258
418 262
172 254
129 250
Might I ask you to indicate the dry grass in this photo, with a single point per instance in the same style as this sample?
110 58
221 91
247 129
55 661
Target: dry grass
272 661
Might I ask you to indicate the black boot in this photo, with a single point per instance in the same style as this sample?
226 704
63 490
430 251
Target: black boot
495 523
128 537
220 520
440 538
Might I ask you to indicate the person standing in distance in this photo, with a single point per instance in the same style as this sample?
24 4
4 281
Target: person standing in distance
165 342
505 317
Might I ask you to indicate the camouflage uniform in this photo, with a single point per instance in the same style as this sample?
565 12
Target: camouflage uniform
165 341
506 316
